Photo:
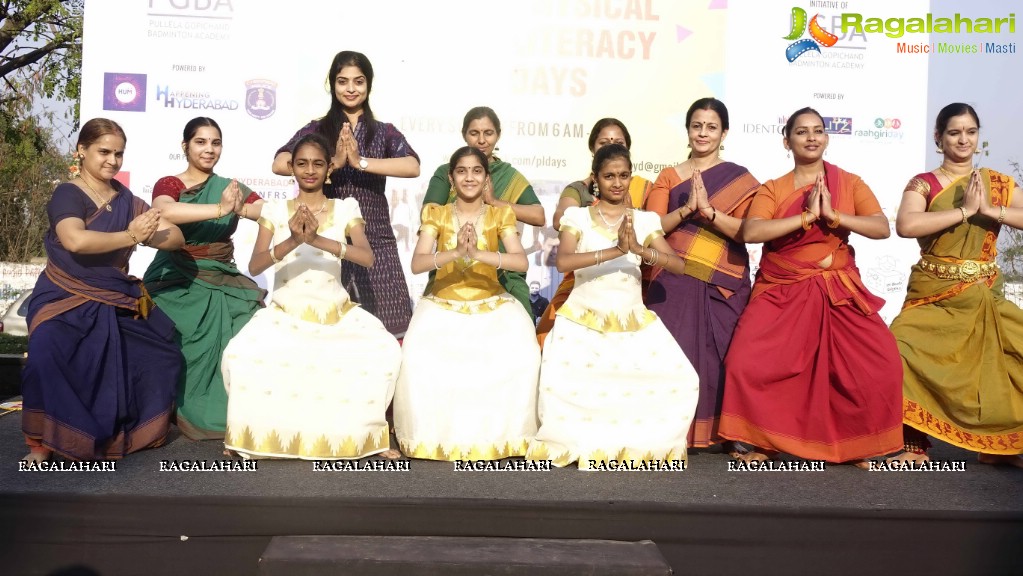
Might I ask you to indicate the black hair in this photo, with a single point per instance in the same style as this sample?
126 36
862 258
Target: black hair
709 104
791 122
314 139
949 112
468 151
604 123
195 124
607 153
481 112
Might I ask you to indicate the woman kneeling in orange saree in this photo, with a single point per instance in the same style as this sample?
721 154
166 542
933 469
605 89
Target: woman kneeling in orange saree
832 388
961 341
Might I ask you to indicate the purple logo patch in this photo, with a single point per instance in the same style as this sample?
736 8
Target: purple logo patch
124 92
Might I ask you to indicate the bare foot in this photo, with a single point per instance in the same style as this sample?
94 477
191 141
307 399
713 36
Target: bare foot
1001 459
861 464
734 449
754 457
35 457
908 457
390 454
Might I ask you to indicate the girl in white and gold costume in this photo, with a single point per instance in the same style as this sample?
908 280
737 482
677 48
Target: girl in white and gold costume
614 384
467 388
311 375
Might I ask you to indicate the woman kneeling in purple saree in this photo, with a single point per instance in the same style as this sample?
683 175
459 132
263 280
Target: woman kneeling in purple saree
102 363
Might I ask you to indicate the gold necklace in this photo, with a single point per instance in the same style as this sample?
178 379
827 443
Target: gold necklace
948 173
318 212
96 196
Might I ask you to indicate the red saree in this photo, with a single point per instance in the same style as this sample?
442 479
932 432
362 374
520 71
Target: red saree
833 388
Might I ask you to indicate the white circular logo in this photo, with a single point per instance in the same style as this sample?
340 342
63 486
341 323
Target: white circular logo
125 92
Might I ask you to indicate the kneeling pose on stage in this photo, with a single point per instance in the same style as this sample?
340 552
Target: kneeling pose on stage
199 286
961 340
102 363
311 375
583 193
467 389
812 370
614 384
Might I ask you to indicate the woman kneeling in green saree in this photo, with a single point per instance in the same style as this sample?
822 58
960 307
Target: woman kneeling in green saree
961 341
199 286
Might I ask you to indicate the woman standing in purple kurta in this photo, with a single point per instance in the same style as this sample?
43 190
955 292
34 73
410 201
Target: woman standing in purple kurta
702 203
102 370
365 154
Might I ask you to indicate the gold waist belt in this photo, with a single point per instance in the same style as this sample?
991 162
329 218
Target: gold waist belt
963 270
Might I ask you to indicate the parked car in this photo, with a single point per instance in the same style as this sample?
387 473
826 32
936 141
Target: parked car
13 322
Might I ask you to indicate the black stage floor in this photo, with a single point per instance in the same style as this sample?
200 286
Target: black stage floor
705 520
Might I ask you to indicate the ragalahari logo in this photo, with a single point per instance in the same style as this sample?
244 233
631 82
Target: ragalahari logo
818 35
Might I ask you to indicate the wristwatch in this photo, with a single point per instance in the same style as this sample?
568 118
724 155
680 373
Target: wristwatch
363 163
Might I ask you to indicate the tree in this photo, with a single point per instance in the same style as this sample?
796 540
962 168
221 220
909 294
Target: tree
40 53
40 56
1010 252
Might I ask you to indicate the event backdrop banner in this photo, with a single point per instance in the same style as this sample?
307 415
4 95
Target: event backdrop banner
549 68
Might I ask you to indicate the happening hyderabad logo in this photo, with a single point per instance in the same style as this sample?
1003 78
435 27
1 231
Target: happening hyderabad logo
124 92
800 24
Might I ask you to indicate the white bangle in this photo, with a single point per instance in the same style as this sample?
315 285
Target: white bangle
435 265
272 257
499 262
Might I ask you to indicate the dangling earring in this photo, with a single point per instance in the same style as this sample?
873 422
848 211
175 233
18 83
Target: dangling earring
788 154
721 148
596 191
939 150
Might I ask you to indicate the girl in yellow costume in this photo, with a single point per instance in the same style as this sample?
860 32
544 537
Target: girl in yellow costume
459 395
961 341
311 375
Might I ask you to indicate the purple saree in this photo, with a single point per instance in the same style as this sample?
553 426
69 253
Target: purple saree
102 363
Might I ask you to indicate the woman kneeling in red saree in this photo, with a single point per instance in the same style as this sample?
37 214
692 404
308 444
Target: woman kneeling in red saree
833 388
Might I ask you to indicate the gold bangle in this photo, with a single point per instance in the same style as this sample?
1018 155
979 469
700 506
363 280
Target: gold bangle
1001 215
245 211
652 260
620 249
805 223
836 221
600 259
963 210
132 236
273 257
220 211
342 249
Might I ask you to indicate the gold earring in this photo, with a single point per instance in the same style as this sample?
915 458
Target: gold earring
327 181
